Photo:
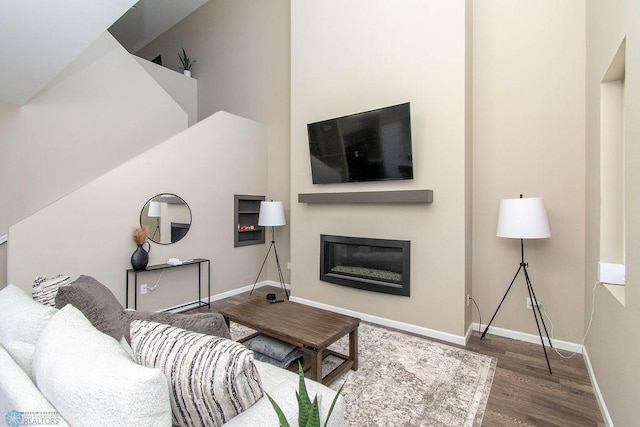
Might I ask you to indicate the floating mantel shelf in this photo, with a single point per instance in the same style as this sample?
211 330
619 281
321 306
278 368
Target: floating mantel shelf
402 196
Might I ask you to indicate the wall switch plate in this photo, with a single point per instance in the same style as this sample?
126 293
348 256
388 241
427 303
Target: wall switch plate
288 265
530 305
143 289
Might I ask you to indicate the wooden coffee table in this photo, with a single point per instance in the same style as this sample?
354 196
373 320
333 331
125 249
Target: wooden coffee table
310 328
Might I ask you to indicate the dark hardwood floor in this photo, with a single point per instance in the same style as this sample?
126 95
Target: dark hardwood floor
523 392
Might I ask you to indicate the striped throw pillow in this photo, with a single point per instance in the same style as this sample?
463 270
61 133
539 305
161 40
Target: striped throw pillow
211 379
45 289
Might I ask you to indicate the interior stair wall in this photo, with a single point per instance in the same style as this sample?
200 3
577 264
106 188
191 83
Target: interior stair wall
101 111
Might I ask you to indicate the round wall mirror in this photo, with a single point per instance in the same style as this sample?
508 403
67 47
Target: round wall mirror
168 218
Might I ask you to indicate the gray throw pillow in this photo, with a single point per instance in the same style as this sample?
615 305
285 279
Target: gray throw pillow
97 303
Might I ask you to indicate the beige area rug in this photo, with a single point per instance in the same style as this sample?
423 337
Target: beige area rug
405 380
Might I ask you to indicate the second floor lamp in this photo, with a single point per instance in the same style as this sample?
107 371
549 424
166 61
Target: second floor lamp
524 218
272 215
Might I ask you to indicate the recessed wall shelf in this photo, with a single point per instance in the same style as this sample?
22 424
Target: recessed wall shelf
246 212
402 196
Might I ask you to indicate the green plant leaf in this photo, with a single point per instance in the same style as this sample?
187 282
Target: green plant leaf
333 403
308 412
314 415
281 418
304 403
185 61
303 410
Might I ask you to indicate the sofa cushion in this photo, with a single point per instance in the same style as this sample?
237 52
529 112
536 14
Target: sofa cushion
203 323
104 311
91 380
19 393
21 322
45 289
212 379
282 385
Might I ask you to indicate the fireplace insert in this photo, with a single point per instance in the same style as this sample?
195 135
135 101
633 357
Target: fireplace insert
377 265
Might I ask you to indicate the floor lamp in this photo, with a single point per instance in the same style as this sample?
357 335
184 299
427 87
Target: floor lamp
524 218
271 215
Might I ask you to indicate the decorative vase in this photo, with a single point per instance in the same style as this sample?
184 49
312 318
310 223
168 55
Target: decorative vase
140 257
187 73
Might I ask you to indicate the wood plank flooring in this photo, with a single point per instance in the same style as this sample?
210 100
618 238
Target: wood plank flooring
523 392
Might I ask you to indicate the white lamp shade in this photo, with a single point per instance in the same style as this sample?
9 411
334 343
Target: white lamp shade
271 214
523 218
154 210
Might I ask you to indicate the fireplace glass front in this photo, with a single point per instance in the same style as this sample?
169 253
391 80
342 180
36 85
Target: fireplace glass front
377 265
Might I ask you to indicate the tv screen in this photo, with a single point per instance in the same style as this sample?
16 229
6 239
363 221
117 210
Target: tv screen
370 146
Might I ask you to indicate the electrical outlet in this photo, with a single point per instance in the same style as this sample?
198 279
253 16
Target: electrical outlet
143 289
288 265
530 304
468 299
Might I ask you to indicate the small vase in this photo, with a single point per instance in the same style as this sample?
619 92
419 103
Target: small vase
140 257
187 73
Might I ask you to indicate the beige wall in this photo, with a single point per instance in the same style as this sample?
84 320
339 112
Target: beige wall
528 137
345 61
468 160
89 231
242 53
102 110
613 343
182 89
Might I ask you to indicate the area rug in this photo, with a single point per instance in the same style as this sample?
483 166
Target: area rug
405 380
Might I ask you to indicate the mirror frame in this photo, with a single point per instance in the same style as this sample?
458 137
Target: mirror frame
159 197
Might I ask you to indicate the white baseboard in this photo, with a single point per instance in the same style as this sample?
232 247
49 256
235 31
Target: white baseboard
469 332
431 333
596 390
530 338
443 336
419 330
216 297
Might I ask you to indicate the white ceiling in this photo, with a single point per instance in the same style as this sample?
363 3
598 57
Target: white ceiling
149 19
38 39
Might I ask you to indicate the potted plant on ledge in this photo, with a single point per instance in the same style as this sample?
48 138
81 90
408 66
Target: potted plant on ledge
185 63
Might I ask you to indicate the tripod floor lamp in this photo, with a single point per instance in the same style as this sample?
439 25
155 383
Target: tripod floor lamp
271 215
524 218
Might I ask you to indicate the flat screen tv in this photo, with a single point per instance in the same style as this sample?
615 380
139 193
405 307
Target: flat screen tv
370 146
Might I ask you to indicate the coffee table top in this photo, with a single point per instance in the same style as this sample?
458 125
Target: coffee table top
298 324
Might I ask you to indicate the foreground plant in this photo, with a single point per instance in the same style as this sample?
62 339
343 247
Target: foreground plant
308 412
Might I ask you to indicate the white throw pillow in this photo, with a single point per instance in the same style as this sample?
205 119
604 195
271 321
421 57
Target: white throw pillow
21 322
212 379
91 380
19 394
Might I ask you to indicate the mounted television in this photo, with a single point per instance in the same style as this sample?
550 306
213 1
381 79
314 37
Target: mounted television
370 146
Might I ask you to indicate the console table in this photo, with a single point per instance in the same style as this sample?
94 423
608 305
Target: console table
197 261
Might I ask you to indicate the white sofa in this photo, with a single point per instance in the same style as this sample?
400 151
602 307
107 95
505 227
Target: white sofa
55 365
